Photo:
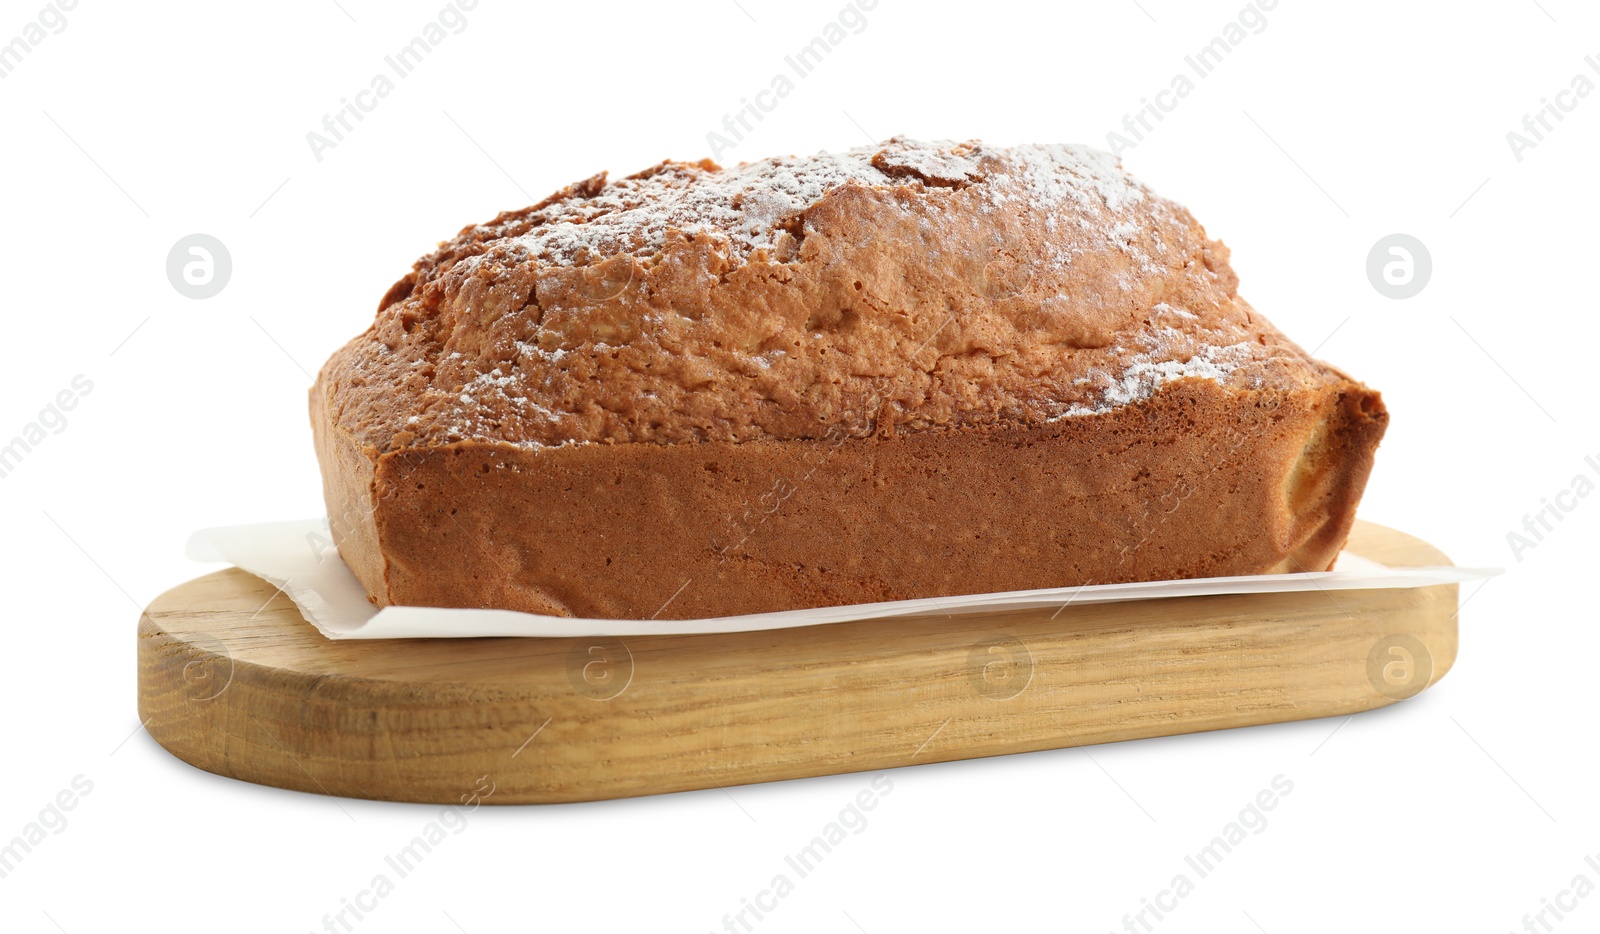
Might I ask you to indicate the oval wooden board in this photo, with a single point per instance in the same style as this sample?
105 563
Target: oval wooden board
234 681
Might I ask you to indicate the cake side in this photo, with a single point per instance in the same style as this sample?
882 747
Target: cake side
1197 481
349 491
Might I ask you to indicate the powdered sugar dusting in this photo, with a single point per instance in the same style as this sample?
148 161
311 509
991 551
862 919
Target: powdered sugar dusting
1144 376
1052 173
989 284
936 165
749 204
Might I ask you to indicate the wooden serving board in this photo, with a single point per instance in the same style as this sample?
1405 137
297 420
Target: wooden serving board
234 681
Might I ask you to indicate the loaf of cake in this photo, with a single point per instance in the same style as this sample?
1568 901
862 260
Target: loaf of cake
906 370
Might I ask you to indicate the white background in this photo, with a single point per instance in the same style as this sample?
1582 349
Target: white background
1337 124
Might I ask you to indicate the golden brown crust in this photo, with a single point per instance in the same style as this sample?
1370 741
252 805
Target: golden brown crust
347 488
774 301
1015 360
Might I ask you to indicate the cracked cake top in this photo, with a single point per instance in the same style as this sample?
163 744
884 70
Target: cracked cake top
903 286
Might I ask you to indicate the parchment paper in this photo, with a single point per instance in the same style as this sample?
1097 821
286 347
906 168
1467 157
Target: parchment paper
299 557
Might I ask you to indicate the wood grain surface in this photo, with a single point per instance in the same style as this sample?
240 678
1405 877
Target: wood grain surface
234 681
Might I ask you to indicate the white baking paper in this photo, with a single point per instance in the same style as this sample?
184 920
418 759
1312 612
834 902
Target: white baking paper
299 558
